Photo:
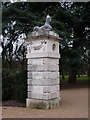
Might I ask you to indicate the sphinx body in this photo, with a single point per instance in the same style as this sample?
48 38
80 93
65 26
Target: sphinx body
46 26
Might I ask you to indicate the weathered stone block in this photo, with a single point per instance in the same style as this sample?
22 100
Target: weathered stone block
35 89
43 33
44 45
43 61
44 82
43 75
43 55
43 89
41 68
50 89
43 96
43 104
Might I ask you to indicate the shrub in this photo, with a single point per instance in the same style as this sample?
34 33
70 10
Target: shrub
21 86
14 85
8 84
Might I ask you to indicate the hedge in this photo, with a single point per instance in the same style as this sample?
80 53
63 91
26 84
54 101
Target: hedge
21 86
14 85
8 84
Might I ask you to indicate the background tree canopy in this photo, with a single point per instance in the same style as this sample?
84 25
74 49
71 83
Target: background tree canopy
70 20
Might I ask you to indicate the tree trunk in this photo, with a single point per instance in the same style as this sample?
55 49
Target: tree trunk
10 64
22 64
89 64
72 77
63 77
89 70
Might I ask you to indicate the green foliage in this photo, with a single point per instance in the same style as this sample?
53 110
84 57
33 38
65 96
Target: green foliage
21 86
70 20
80 78
14 85
8 84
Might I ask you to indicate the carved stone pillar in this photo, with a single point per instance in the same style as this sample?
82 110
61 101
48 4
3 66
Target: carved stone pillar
43 70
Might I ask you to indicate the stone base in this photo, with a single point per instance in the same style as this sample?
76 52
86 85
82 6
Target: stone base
43 104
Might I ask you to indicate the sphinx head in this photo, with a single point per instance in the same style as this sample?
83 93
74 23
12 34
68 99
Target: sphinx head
48 19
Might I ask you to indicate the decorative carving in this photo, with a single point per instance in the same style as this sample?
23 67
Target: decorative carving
43 41
38 47
46 26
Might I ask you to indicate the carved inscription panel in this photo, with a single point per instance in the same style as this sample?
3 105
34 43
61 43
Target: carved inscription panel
39 46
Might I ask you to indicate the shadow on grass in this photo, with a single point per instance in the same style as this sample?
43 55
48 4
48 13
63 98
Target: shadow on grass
78 84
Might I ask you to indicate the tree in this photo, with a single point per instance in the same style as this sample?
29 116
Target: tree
75 19
70 20
20 54
82 16
20 20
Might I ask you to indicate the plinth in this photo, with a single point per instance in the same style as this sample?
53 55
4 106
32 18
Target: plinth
43 70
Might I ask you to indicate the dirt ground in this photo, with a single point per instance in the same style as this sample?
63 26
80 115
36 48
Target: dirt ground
74 104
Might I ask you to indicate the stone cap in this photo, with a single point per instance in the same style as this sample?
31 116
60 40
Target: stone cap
44 33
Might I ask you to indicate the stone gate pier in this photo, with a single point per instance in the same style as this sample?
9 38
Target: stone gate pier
43 89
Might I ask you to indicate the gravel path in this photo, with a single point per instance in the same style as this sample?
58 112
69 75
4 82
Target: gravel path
74 105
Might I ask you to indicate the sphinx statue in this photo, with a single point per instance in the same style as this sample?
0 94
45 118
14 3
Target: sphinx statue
46 26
